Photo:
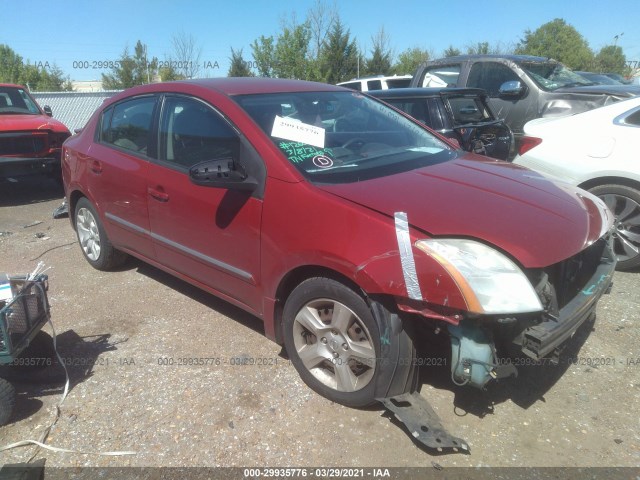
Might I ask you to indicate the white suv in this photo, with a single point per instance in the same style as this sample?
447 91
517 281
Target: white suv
378 83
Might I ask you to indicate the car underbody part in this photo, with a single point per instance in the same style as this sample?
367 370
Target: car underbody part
473 357
62 211
413 410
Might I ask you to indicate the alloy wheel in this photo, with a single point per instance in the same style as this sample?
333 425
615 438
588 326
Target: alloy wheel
334 345
88 234
627 234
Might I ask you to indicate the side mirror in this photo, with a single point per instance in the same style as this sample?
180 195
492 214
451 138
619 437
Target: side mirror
222 173
513 88
47 111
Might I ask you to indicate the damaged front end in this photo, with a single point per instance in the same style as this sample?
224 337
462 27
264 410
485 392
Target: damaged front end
483 347
30 152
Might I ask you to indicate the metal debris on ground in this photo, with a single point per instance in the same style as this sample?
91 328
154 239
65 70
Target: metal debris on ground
423 423
62 211
32 224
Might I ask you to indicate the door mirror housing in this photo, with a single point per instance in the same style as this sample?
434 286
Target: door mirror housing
47 111
512 88
222 173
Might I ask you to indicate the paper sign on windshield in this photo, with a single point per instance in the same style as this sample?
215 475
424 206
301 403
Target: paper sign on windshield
296 131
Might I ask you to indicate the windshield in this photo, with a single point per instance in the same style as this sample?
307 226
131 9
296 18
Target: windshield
337 137
552 75
16 100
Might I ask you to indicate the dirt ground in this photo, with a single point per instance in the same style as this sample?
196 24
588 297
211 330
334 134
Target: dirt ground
119 332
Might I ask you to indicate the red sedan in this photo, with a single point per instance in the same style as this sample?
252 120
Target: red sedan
346 226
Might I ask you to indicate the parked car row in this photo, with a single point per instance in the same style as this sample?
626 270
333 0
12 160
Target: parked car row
521 87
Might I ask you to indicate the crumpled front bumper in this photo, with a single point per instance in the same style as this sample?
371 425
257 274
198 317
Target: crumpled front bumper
547 337
482 349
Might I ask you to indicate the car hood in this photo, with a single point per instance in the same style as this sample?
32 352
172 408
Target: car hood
621 91
17 122
537 221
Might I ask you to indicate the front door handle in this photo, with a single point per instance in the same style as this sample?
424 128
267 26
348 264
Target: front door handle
158 193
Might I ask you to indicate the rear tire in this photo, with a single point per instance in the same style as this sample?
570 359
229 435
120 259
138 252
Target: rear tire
93 239
624 202
7 401
345 349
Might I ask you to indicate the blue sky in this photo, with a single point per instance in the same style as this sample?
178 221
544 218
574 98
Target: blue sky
65 32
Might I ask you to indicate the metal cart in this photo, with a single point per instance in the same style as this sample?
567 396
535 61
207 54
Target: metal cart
21 320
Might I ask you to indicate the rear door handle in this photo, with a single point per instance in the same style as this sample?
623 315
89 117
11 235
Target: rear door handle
158 193
96 167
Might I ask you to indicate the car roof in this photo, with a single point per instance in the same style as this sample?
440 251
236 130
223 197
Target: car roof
514 58
425 92
238 86
377 77
14 85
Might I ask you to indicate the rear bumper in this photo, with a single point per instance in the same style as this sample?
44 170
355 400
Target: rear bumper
545 338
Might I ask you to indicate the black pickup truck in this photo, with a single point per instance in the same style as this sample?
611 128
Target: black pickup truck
458 113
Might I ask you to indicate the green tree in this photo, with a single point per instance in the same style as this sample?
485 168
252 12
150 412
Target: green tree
264 55
338 55
290 53
41 78
451 51
480 48
380 61
611 59
559 40
168 73
239 67
11 65
409 60
131 70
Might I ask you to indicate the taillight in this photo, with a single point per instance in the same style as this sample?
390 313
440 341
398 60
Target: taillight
527 143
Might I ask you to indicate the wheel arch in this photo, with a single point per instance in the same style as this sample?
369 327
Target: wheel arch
598 181
298 275
74 197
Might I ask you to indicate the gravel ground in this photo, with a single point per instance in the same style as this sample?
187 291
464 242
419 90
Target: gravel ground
119 330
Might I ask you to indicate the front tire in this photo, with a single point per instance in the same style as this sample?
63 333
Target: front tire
93 240
343 348
624 202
